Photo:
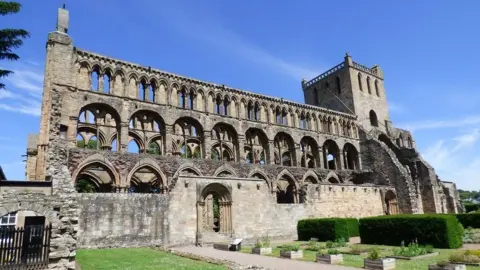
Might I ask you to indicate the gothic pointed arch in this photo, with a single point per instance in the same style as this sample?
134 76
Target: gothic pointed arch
286 188
225 171
95 174
148 162
310 177
188 169
260 174
333 178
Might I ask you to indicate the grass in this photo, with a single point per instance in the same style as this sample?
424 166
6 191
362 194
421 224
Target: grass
357 260
137 258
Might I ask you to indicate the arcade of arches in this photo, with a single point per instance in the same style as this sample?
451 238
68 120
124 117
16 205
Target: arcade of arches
100 128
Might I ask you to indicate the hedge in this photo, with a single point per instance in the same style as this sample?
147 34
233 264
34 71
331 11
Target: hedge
471 207
352 224
324 229
441 231
469 220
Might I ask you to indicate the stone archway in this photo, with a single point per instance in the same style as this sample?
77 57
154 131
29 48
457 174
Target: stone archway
391 203
214 209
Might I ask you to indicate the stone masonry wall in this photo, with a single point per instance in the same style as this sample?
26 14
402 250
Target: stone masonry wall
121 220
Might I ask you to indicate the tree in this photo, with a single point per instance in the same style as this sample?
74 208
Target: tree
10 38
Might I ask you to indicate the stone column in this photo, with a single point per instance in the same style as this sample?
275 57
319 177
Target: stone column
123 140
207 141
72 131
168 140
241 148
342 164
320 158
298 157
271 153
101 88
200 206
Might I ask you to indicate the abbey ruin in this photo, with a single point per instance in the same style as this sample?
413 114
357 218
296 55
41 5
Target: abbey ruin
155 158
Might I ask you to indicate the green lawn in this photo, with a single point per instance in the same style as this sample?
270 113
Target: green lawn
357 260
137 258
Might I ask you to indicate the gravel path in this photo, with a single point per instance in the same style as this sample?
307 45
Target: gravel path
258 260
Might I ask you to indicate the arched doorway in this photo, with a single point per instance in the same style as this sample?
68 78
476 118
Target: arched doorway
214 209
391 203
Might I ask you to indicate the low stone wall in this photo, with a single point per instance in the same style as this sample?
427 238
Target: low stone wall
122 220
129 220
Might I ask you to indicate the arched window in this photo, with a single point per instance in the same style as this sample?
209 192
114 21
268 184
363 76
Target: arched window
359 77
331 155
339 86
376 88
188 138
226 105
373 119
224 141
106 82
95 77
278 116
256 146
146 125
151 91
256 112
284 149
142 90
368 85
310 154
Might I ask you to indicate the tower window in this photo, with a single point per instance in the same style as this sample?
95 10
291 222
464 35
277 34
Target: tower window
376 88
368 85
373 119
359 76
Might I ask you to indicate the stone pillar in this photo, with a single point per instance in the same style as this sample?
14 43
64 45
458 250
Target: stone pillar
101 87
298 157
200 206
241 149
207 141
72 131
342 165
123 140
168 140
271 153
320 158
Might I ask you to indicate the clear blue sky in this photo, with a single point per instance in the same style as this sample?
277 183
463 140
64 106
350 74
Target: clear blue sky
428 51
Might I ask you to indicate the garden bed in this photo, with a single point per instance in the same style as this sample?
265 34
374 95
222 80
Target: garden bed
414 257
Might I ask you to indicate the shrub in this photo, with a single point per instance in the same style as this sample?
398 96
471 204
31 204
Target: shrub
441 231
469 220
356 249
412 250
464 257
323 229
289 248
352 224
333 252
472 207
373 254
314 246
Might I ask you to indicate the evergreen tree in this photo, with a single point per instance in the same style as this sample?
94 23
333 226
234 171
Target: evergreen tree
10 38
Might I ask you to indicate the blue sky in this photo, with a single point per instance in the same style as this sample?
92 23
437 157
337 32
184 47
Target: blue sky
428 51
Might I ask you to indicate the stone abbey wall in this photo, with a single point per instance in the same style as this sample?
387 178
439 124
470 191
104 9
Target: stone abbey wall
120 220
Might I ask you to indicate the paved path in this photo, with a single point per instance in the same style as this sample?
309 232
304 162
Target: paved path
258 260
